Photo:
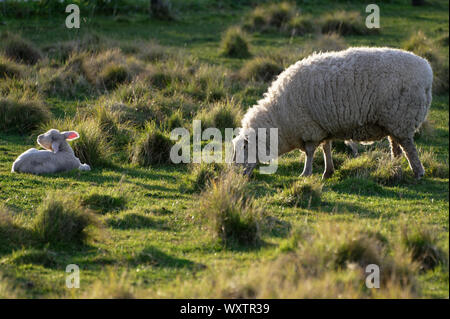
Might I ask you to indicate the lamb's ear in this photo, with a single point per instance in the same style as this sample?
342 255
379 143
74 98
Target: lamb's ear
70 135
55 146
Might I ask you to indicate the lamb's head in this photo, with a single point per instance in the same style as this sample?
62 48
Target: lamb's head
54 140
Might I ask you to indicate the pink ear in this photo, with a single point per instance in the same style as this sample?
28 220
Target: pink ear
71 135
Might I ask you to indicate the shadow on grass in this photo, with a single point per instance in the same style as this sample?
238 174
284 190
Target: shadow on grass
136 221
157 258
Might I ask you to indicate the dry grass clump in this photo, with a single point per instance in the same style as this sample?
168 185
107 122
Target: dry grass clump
345 23
109 69
19 50
221 115
11 233
92 147
327 261
421 45
326 43
69 81
228 211
271 17
421 242
375 165
9 69
302 24
62 220
202 174
306 192
152 147
22 116
433 166
234 43
260 69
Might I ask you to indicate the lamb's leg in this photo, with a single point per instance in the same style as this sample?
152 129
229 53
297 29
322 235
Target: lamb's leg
396 151
329 166
409 148
310 148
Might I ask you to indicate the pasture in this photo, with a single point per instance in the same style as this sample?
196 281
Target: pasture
139 226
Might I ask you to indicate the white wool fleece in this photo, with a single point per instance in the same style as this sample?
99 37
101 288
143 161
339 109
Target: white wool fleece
360 94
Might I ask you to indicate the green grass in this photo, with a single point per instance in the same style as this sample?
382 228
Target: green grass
152 240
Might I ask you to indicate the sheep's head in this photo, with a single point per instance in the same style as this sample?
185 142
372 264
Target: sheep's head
241 155
53 139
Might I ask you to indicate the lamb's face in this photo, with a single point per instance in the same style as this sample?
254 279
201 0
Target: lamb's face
52 139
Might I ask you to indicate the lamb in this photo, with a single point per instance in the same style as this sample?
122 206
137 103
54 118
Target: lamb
58 156
359 94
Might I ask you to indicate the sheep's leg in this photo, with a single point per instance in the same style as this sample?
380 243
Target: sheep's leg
409 148
310 148
329 166
396 151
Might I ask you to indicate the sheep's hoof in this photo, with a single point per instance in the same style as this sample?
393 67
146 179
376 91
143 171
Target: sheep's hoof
84 167
328 174
419 175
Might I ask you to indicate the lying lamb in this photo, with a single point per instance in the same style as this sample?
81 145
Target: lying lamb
359 94
57 157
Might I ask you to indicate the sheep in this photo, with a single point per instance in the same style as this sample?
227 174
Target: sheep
359 94
58 156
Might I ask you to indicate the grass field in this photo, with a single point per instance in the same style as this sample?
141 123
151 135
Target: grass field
149 238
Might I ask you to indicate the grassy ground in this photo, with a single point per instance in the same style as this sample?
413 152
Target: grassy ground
154 239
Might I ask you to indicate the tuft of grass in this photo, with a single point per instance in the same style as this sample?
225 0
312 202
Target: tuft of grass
324 261
11 233
104 203
113 75
301 24
175 120
271 17
375 165
152 147
421 242
9 69
326 43
69 81
433 166
92 147
260 69
22 116
62 220
235 44
421 45
203 174
20 50
224 114
306 192
228 211
344 23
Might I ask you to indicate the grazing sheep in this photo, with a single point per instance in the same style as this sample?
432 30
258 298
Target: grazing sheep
359 94
57 157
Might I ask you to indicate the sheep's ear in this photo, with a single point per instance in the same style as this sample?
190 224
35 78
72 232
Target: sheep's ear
70 135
